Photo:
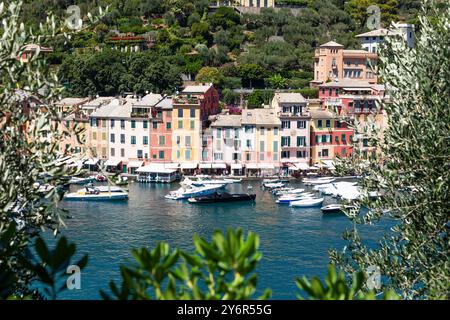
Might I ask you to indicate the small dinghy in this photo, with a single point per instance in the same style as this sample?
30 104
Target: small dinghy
307 203
223 197
291 198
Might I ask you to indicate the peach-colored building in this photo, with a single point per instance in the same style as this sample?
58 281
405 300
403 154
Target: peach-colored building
333 63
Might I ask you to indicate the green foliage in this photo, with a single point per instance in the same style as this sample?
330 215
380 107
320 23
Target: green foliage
209 75
220 269
29 143
277 81
414 174
259 97
335 288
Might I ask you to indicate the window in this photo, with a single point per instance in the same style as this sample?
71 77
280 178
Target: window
248 129
275 131
103 152
112 123
236 133
122 152
285 124
169 125
275 146
249 143
113 138
301 154
344 138
192 113
319 123
285 141
104 136
122 124
162 140
94 135
301 141
133 139
161 154
344 152
178 139
145 140
338 124
180 124
261 130
93 122
133 124
122 138
328 124
180 113
285 154
325 153
187 141
113 152
218 144
145 124
228 133
219 133
155 125
192 124
248 157
139 154
188 154
218 156
178 154
103 123
301 124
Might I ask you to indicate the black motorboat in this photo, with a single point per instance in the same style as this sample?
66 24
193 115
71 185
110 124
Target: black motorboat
336 208
223 197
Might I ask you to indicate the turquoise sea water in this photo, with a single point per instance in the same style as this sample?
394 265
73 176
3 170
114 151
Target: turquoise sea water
294 241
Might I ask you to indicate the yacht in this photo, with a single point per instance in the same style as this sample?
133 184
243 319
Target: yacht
103 193
186 192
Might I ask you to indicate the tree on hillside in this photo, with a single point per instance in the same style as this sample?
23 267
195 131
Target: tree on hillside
414 175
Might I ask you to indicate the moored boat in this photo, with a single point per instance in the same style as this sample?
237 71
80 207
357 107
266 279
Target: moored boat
81 181
307 203
322 180
335 208
292 198
275 185
192 191
223 197
97 194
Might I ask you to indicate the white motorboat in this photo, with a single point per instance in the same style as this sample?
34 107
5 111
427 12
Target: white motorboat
231 180
291 198
207 181
288 191
322 180
307 203
78 180
97 194
193 191
275 185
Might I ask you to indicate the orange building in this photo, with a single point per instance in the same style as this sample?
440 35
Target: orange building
333 63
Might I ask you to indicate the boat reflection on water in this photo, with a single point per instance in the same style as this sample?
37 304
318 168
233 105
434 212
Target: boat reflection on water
223 197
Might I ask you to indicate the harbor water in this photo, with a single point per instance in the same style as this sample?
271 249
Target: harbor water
294 241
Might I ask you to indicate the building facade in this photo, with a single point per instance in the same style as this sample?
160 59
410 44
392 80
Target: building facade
295 119
333 63
371 41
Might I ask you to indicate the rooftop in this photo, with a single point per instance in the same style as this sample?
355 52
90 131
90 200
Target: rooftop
166 103
150 99
97 102
347 83
289 97
203 88
260 116
106 110
72 101
321 114
331 44
227 120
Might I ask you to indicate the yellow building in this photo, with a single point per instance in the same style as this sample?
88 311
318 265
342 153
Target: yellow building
186 133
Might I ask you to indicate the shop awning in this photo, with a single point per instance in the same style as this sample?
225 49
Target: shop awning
92 161
302 166
219 166
251 166
135 164
236 166
154 169
189 165
266 166
205 165
112 162
171 165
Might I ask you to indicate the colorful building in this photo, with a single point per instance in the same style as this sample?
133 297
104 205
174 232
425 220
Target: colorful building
333 63
204 95
261 141
371 41
295 119
161 130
